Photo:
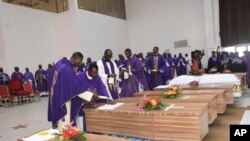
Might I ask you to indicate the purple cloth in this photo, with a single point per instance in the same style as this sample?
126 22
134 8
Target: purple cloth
160 78
121 63
181 68
94 85
4 78
131 85
170 68
214 58
29 76
17 75
63 86
114 93
41 80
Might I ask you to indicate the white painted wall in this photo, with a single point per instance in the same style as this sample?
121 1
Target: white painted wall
27 37
30 37
161 22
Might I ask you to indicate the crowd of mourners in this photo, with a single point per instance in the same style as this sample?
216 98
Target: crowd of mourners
164 66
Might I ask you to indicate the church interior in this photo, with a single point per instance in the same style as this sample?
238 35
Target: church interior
124 70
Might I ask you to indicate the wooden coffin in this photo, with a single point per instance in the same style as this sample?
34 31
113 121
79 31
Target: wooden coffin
182 122
242 77
94 137
209 99
220 97
229 89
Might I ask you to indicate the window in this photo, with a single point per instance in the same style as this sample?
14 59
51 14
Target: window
229 49
114 8
241 50
56 6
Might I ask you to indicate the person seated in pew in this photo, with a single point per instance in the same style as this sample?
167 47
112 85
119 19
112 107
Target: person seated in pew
135 79
4 77
92 82
28 76
16 74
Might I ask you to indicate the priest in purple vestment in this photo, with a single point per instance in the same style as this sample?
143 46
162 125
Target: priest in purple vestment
181 65
41 80
16 74
92 82
28 76
4 77
109 73
120 63
63 88
156 68
135 79
213 63
170 66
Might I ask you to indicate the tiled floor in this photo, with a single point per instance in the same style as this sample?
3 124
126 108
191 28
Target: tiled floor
34 115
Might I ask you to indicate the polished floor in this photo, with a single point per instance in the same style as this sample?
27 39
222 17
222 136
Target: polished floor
22 120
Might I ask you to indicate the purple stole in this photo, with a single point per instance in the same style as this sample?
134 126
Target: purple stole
106 69
112 88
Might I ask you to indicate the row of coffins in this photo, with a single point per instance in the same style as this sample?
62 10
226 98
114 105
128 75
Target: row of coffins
185 118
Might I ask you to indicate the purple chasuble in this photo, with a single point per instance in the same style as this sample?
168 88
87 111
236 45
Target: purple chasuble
159 78
63 86
131 85
17 75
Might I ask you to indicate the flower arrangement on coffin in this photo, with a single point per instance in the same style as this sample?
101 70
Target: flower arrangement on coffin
71 134
226 71
194 83
172 92
198 72
150 104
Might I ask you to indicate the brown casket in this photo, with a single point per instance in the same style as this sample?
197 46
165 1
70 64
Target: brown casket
220 96
209 99
182 122
229 89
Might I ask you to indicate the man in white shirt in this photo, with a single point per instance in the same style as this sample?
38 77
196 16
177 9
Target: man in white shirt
109 73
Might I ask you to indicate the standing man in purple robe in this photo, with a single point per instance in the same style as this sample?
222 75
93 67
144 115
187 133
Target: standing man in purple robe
156 68
181 65
135 79
213 63
28 76
92 82
41 81
64 99
142 59
171 66
16 74
4 77
109 73
120 63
